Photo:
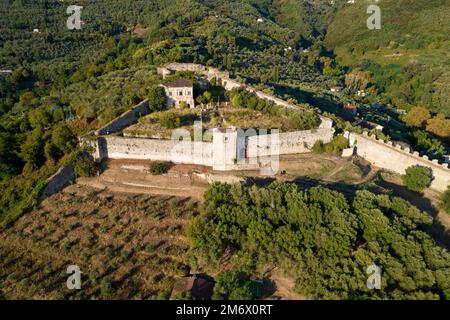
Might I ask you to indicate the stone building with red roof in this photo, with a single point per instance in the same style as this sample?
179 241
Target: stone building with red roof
179 92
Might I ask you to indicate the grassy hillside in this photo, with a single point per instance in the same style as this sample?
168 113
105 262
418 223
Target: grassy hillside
308 18
408 59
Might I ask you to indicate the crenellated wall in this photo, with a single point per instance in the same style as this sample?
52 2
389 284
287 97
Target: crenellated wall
386 155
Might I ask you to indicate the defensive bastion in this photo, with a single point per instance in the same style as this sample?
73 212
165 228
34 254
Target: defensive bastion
397 159
229 149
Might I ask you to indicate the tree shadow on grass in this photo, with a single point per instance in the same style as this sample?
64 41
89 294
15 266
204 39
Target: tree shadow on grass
126 276
437 230
269 287
324 102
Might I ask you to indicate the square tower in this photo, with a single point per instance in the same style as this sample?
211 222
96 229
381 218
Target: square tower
224 148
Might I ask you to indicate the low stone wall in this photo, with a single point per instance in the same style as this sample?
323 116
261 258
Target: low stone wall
230 84
58 181
180 66
124 120
211 178
289 142
226 152
113 147
396 159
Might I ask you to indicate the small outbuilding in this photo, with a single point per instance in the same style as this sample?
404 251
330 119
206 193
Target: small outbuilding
196 287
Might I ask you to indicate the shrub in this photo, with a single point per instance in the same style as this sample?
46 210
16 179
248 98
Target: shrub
170 121
417 117
66 246
109 252
84 167
82 163
157 99
51 152
63 139
186 295
445 200
157 168
39 188
336 145
302 120
183 105
125 254
228 286
93 277
417 178
106 288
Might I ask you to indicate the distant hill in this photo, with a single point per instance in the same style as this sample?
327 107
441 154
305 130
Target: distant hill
408 59
308 18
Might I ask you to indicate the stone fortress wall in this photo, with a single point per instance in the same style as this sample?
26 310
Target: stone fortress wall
115 147
395 158
58 181
229 149
288 142
125 119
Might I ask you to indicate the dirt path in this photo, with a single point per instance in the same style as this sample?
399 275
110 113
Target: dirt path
131 176
135 188
284 286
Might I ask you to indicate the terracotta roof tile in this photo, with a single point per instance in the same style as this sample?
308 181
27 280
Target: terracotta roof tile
179 83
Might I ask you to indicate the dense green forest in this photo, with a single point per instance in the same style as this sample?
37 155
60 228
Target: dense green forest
406 62
323 240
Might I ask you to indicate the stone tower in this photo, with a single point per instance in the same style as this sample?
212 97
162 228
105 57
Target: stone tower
224 148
